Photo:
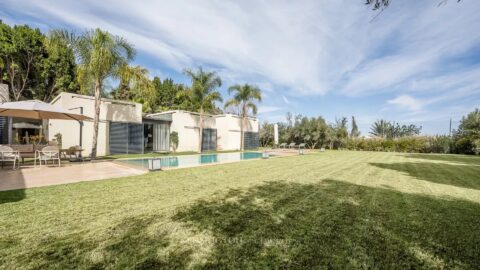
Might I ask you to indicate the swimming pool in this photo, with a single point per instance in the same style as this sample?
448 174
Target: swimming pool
159 163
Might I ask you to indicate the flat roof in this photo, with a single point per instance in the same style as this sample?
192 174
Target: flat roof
161 117
196 113
114 101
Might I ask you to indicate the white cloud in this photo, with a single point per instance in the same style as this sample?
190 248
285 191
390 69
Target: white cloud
307 48
268 109
413 52
407 102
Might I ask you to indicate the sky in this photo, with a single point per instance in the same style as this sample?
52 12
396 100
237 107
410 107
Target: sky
416 62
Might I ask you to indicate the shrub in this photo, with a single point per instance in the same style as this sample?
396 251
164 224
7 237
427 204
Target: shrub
414 144
174 140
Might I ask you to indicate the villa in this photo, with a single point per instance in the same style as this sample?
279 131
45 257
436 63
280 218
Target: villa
124 129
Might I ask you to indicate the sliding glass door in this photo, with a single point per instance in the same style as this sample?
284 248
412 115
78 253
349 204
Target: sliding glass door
161 137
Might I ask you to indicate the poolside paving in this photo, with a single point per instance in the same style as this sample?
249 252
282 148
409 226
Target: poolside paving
46 176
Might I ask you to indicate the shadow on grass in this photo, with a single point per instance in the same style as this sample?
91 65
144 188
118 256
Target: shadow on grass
12 196
7 181
461 175
336 225
330 224
461 159
128 245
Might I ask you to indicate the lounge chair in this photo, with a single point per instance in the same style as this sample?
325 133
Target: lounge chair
291 145
8 154
48 153
74 153
284 145
301 146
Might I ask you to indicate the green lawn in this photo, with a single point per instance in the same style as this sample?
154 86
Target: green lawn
336 209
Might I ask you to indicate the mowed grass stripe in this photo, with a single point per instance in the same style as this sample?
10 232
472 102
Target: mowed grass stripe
351 209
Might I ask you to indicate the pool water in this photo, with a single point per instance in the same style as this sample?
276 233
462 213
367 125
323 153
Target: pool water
189 161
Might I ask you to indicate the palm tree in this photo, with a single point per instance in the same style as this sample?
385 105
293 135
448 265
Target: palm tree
136 85
381 128
101 55
203 94
244 98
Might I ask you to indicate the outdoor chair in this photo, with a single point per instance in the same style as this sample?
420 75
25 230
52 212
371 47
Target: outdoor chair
8 154
48 153
291 145
284 145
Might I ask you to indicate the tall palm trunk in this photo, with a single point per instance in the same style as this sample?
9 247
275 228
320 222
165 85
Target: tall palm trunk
200 134
242 138
242 135
98 88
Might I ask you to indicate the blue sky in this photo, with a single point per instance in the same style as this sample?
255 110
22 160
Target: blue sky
417 62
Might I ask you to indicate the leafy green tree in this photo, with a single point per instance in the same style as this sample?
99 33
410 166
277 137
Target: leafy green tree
170 96
467 137
21 52
244 97
341 131
101 55
266 134
354 133
330 136
57 70
167 93
284 133
312 131
203 94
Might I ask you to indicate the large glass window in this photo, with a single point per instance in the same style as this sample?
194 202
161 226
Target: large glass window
27 131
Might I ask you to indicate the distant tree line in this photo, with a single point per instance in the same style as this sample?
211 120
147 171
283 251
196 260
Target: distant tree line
315 132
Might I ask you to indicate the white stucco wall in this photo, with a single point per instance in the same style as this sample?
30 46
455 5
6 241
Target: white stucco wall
228 130
187 125
110 110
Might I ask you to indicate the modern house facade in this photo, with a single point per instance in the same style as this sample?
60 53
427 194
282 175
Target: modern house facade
220 132
123 129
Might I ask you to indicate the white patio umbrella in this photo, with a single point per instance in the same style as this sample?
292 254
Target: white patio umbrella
26 125
35 109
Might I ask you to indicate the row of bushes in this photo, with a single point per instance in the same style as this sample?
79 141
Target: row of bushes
417 144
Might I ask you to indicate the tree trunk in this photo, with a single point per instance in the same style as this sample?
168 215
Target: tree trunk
241 128
242 135
200 134
98 90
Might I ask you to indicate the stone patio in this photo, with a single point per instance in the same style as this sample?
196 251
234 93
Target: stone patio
69 173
